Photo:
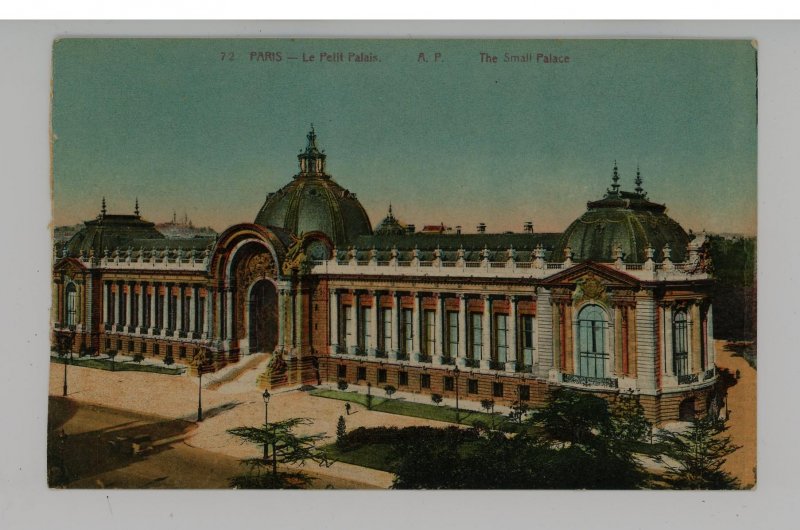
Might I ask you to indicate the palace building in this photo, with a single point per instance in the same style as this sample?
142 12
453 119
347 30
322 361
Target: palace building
617 303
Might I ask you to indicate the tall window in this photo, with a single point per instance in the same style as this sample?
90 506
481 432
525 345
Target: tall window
680 343
429 330
71 304
365 323
185 316
476 335
501 337
123 306
348 327
407 343
146 309
526 323
452 334
173 308
112 299
592 326
385 341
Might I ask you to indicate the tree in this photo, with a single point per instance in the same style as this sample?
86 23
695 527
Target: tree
111 354
169 359
389 389
628 422
694 458
342 385
341 431
287 448
138 357
573 417
436 398
488 406
518 411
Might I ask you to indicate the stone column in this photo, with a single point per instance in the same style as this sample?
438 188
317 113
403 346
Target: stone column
372 347
281 346
117 299
193 311
415 330
207 313
334 321
298 319
165 303
129 307
696 338
438 326
511 358
352 326
179 312
152 324
394 346
140 327
486 339
218 313
668 349
461 355
229 314
78 306
106 300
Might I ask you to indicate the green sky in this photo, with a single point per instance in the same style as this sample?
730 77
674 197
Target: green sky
456 141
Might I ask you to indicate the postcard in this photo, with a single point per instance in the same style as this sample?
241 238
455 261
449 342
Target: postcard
403 264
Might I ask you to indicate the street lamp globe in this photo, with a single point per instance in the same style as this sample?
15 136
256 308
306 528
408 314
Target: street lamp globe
266 396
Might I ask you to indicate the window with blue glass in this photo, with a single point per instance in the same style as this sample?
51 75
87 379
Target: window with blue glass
680 343
592 329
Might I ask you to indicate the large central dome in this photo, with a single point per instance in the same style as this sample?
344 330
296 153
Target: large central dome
625 219
313 201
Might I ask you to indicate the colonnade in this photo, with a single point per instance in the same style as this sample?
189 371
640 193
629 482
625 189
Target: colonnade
357 329
166 309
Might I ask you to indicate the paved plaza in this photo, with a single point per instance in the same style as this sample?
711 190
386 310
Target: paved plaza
204 455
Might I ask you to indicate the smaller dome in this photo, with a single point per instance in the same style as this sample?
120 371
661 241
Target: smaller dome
110 231
390 225
628 220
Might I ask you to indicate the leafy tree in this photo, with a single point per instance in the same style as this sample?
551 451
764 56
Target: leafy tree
488 406
628 422
436 398
169 359
111 354
389 389
341 431
694 458
518 411
342 385
574 417
287 448
138 357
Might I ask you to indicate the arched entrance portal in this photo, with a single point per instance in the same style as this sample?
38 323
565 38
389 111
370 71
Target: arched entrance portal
262 317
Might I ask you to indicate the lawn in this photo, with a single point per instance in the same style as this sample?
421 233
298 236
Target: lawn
125 366
375 456
419 410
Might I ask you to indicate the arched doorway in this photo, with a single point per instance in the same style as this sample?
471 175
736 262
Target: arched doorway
262 317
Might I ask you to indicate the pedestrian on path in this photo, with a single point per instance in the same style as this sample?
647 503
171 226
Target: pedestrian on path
347 408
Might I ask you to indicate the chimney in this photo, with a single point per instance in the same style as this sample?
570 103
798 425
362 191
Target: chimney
481 228
528 227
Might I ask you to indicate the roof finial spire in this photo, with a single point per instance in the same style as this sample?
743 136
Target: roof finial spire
639 190
103 208
615 178
136 210
390 210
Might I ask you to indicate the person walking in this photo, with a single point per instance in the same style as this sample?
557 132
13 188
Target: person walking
347 408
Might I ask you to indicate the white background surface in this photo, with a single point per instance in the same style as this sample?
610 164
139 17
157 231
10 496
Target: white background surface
25 501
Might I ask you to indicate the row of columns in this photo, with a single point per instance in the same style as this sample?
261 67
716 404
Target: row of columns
158 314
394 348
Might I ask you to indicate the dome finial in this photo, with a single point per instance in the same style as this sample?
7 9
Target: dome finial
390 210
103 208
136 209
615 179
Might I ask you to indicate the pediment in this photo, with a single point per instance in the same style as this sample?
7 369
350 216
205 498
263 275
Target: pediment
69 266
592 275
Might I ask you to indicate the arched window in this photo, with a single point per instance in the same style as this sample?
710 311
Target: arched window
71 304
680 343
592 326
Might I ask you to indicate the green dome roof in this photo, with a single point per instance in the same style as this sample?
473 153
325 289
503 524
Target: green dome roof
627 219
313 201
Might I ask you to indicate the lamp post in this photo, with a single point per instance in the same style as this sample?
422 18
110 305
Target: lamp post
65 346
200 360
457 373
266 397
369 395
